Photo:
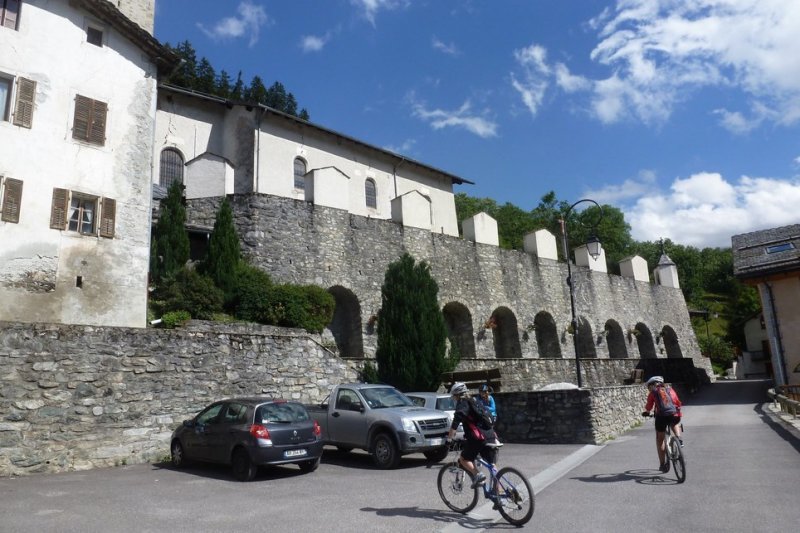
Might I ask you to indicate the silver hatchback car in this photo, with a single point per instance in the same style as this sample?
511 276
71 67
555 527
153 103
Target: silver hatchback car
247 433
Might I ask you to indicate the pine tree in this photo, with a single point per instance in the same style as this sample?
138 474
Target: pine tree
205 77
223 87
223 250
170 244
411 352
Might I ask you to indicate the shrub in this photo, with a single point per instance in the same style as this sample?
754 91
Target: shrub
194 293
223 253
250 293
369 374
169 248
174 318
299 306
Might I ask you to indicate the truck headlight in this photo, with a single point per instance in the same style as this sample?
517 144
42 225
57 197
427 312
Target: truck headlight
409 426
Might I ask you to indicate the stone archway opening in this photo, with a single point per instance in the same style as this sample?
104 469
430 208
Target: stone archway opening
458 321
505 334
547 336
644 340
585 340
346 323
615 340
671 344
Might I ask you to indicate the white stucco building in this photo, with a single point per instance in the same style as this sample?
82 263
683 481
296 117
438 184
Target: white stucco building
217 146
78 82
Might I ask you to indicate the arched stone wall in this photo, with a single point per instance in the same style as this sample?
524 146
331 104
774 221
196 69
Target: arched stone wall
671 344
615 340
547 336
644 340
458 321
585 339
505 334
346 323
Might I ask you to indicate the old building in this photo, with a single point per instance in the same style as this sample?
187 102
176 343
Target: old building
78 101
770 261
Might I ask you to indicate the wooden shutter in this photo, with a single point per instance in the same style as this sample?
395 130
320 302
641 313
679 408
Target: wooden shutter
80 123
12 197
23 109
108 217
10 14
97 125
59 209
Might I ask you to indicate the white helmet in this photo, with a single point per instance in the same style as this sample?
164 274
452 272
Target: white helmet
458 389
655 380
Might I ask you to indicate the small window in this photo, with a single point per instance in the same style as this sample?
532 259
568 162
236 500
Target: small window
171 167
9 13
780 248
94 36
5 97
82 210
23 105
12 198
78 212
299 174
90 120
371 194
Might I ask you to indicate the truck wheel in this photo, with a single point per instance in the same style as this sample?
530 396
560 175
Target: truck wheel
384 452
437 455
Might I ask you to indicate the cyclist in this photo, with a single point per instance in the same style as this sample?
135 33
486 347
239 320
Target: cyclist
478 441
667 412
485 397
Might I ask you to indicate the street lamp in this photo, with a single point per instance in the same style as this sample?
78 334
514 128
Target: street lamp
594 248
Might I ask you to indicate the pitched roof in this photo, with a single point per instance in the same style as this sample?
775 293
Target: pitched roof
765 252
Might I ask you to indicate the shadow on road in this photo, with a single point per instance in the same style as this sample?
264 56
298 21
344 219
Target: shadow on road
223 472
362 460
782 432
440 515
730 392
645 477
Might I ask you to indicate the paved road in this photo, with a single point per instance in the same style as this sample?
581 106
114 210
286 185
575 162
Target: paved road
742 476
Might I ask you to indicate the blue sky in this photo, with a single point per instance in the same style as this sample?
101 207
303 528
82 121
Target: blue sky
684 114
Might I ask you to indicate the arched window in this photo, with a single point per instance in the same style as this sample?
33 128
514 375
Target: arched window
371 193
299 174
171 167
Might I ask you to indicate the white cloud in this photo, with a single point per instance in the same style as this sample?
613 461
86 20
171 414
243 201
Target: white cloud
705 210
404 148
462 117
370 8
568 81
628 190
534 77
659 51
449 49
248 23
313 43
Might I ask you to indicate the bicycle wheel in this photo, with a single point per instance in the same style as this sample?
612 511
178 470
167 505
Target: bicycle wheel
678 462
514 496
454 488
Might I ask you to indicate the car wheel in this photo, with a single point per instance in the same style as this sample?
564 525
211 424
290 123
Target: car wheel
177 454
243 467
437 455
384 452
309 466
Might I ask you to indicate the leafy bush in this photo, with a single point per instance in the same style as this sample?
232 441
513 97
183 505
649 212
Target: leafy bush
194 293
174 318
223 254
369 374
717 349
299 306
250 293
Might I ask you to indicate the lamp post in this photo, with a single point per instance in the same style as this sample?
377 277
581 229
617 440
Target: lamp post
594 248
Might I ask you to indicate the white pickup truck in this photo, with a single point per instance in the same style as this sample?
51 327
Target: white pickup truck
381 420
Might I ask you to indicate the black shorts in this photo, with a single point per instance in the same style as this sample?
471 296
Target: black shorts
663 421
472 448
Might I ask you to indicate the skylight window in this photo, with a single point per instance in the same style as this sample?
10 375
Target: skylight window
780 248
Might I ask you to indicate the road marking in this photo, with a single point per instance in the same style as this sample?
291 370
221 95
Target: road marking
485 515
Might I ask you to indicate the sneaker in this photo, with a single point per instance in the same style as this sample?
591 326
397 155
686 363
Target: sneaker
480 478
664 468
494 444
681 441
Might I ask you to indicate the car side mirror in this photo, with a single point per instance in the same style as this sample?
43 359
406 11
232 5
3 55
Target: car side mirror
188 423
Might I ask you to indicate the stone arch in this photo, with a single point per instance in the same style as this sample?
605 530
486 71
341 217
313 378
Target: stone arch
458 321
346 323
644 340
505 334
584 340
547 336
615 340
671 344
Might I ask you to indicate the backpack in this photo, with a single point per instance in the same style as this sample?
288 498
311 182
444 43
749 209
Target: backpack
480 415
666 407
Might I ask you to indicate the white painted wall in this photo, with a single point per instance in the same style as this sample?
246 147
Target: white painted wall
481 228
50 47
542 244
634 267
208 175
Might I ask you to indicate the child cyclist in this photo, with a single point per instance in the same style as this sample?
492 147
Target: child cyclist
667 413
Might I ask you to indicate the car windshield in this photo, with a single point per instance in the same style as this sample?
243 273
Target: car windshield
379 398
281 413
446 404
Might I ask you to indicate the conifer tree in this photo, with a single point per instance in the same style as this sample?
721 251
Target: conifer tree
411 352
223 253
169 250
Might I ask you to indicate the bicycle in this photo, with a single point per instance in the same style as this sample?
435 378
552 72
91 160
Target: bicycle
507 488
674 453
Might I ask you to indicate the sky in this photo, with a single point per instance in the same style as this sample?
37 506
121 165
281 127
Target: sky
683 114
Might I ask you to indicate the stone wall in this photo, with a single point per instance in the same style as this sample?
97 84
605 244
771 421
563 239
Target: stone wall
79 397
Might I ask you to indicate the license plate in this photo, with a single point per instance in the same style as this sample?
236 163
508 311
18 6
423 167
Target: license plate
294 453
436 442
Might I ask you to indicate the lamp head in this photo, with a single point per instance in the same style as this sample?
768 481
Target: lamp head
594 247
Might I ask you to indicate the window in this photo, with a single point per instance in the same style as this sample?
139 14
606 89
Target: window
94 36
780 248
12 197
371 194
171 169
90 120
9 13
23 105
78 212
299 174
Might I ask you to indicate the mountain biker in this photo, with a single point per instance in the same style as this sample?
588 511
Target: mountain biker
667 412
478 441
485 397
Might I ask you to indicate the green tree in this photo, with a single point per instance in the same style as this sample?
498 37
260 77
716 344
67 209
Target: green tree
169 249
223 252
411 352
238 90
205 77
186 73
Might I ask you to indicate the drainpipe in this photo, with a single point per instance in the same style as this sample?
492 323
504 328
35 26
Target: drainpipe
780 366
258 146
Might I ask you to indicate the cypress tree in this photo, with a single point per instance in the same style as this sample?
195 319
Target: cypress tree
169 249
411 352
223 250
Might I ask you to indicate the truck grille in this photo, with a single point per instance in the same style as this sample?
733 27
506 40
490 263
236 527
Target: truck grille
432 424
